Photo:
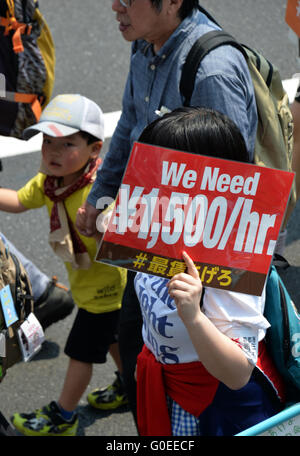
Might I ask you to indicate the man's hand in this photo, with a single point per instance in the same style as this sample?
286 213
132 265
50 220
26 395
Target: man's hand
86 220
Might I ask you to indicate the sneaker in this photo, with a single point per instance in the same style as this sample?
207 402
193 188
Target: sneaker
109 398
55 304
45 421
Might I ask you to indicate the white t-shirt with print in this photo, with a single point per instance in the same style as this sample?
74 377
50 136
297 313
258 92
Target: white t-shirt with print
237 315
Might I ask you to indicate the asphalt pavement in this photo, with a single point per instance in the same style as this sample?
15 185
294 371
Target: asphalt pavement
92 59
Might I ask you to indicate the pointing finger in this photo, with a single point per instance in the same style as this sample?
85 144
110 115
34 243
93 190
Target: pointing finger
191 268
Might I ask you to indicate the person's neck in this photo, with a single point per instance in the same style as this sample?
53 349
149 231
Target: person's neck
164 38
71 178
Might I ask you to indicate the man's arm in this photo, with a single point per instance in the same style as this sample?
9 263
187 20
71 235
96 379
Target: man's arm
223 83
9 201
106 185
109 175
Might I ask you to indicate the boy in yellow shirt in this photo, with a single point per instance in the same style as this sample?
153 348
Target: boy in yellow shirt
73 133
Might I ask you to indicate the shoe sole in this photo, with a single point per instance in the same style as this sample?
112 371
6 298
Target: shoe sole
107 406
31 433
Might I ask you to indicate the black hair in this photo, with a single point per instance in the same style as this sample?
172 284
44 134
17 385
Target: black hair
185 10
90 139
198 130
187 7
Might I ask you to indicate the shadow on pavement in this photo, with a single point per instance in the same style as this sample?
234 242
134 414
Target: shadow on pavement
88 415
49 350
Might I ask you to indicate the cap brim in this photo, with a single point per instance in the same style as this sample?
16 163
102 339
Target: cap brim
49 128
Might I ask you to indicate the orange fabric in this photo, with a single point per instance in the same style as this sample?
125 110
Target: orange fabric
292 15
10 23
31 99
24 97
36 109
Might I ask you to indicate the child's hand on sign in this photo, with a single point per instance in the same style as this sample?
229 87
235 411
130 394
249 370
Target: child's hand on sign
186 289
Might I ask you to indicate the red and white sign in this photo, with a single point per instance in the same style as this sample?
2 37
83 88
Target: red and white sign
226 215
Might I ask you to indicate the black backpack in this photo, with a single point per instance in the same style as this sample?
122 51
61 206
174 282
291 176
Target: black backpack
27 65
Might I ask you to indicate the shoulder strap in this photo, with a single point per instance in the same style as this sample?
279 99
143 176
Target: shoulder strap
24 7
199 50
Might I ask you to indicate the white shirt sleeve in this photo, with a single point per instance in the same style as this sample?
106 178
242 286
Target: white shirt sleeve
239 316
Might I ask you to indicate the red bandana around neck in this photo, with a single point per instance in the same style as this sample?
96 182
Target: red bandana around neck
63 237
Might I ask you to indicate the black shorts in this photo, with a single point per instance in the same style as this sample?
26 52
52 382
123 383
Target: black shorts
91 335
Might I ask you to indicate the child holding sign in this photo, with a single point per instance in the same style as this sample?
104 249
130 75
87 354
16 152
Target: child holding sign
203 369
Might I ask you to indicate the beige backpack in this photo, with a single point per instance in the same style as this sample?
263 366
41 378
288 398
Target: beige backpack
14 286
274 139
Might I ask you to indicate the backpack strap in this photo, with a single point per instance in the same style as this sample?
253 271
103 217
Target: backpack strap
33 100
10 23
280 262
199 50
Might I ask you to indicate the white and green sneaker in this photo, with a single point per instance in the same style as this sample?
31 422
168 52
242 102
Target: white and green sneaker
46 421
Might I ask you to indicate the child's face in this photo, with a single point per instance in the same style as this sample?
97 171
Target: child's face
66 156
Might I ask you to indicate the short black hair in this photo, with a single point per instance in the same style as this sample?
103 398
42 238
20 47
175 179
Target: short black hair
198 130
90 139
185 10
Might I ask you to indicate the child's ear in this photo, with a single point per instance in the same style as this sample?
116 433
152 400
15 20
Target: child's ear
96 149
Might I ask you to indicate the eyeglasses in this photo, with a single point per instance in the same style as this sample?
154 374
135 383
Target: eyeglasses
125 3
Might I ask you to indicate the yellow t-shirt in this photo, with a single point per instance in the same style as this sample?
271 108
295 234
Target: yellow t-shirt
98 289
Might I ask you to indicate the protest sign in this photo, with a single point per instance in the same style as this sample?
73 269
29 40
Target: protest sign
226 215
292 15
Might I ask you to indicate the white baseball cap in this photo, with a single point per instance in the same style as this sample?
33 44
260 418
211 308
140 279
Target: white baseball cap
67 114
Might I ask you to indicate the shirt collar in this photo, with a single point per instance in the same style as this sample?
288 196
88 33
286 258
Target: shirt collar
181 32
